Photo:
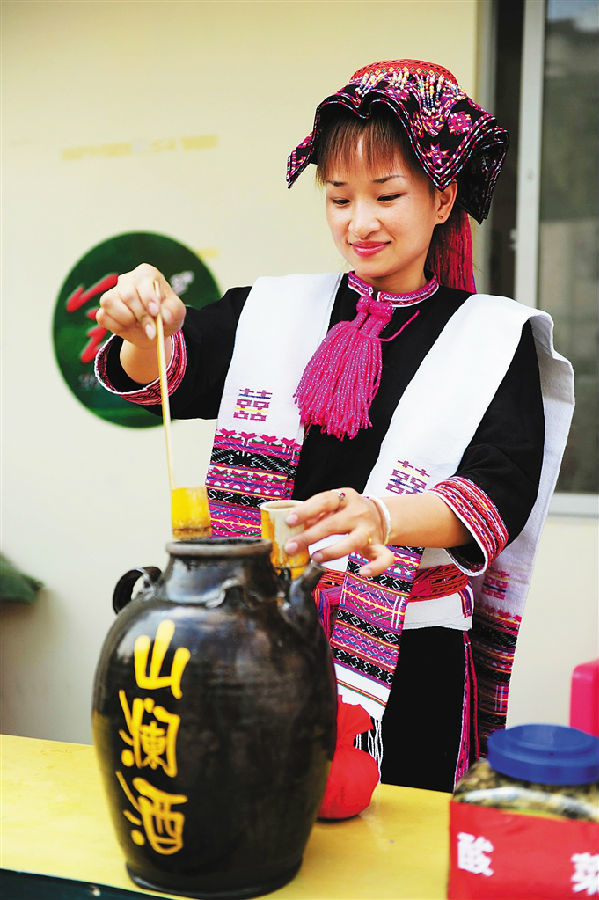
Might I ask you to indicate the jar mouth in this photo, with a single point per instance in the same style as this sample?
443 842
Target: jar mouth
219 546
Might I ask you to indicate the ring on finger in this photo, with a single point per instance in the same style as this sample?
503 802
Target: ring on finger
342 498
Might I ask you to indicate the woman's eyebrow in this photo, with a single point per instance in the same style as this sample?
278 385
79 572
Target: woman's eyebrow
387 178
374 180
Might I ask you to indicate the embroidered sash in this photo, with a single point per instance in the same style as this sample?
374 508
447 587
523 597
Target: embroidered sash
259 438
259 435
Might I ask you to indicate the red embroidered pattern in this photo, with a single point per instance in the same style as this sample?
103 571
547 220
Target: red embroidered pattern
150 394
469 745
413 66
494 634
366 290
246 469
366 634
478 513
438 581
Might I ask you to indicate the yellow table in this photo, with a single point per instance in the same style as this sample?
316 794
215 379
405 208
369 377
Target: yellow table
54 821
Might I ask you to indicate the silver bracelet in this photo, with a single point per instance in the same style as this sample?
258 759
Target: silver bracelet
384 511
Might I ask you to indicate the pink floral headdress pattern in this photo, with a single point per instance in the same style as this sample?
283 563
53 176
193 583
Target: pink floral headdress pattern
452 137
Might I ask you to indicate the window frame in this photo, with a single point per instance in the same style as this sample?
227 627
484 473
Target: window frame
526 237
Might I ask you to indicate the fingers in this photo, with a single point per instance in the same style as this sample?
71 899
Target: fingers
352 517
319 505
114 320
358 541
379 562
323 528
326 514
130 308
136 291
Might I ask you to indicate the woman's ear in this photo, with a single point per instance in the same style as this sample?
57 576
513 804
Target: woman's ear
445 200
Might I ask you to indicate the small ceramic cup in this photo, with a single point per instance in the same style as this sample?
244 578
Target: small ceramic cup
274 528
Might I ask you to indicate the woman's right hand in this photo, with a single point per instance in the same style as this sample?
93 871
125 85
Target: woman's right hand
129 309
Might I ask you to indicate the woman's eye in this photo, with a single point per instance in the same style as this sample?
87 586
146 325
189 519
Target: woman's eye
339 201
387 197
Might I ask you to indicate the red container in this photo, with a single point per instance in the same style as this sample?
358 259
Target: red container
584 697
524 824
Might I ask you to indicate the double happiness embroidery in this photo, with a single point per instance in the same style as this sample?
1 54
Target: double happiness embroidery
252 405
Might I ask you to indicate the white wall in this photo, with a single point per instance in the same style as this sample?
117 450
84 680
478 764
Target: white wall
560 628
84 500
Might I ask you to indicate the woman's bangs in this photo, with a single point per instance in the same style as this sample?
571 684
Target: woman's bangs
381 144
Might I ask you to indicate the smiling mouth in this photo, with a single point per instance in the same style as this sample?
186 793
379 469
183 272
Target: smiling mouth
363 248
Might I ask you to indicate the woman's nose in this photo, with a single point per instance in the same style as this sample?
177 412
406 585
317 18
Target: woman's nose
363 221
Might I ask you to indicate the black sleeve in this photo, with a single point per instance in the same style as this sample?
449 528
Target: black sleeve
505 456
209 339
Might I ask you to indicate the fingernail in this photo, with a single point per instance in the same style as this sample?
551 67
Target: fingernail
166 315
317 556
290 547
291 519
150 331
153 308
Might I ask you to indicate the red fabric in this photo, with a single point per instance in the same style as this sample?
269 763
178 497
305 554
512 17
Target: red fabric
354 773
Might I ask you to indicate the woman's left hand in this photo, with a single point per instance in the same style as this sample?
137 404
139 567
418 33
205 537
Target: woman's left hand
342 512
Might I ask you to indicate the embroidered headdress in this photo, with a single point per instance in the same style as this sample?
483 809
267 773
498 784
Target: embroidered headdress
452 137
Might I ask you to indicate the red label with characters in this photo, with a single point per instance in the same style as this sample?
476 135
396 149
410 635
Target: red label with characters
497 854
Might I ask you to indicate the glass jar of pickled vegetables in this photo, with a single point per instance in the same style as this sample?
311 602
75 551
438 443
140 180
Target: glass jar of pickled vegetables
525 821
542 770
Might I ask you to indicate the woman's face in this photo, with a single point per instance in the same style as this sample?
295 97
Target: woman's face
382 220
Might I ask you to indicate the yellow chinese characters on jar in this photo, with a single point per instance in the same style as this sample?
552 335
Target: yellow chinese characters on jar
152 679
162 826
150 739
152 742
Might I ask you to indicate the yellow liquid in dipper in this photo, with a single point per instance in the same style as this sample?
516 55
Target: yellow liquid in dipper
190 513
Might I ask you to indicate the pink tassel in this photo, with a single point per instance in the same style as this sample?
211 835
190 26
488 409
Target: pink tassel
343 376
450 252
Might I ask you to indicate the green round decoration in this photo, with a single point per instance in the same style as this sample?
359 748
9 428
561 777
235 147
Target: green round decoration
76 334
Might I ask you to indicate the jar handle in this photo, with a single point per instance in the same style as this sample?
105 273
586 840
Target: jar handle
123 589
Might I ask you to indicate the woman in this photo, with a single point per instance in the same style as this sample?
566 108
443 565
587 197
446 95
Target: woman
406 411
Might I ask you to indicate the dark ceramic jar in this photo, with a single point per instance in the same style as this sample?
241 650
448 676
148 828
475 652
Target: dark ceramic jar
213 717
